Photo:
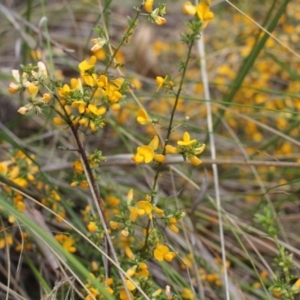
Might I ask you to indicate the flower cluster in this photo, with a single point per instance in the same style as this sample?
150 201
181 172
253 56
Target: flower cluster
157 14
189 148
146 153
31 80
202 11
87 99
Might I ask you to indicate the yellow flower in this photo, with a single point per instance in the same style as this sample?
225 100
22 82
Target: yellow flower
87 65
123 295
102 81
125 232
129 196
93 293
144 154
145 206
142 117
130 285
158 211
195 160
66 241
77 165
55 195
98 44
204 13
296 287
131 271
160 81
143 270
80 104
32 89
199 150
186 140
84 184
114 225
159 20
58 121
187 294
113 201
92 227
90 80
8 240
46 97
135 212
148 6
21 82
154 143
97 111
156 293
20 181
162 252
159 158
172 225
276 293
129 253
188 8
100 54
41 74
171 149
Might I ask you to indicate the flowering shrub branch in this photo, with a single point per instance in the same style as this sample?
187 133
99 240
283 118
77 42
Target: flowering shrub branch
82 108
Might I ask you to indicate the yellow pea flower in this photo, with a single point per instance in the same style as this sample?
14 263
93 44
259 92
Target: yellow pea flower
98 44
58 121
154 143
159 20
129 196
131 271
142 117
66 241
160 81
21 81
46 97
97 111
80 104
146 206
32 89
123 295
148 6
129 252
188 8
171 149
195 160
159 158
186 141
162 252
200 149
172 225
90 80
102 81
187 294
135 212
143 270
21 182
144 154
204 13
87 64
92 227
77 165
114 225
